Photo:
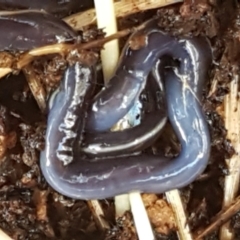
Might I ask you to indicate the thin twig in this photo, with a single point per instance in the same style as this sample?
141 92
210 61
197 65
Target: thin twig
122 9
64 49
222 217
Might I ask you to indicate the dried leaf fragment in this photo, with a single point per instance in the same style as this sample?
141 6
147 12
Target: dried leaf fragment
40 199
7 141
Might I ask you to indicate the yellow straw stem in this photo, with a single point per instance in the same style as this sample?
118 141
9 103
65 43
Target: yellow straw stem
106 20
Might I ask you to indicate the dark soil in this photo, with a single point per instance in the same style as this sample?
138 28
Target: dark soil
29 209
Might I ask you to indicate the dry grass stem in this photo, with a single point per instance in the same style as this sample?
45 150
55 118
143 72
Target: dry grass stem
5 71
214 82
175 201
98 214
232 124
107 21
4 236
122 204
122 9
142 223
36 87
109 57
109 24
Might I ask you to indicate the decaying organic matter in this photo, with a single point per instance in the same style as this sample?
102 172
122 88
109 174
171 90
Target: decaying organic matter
29 209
